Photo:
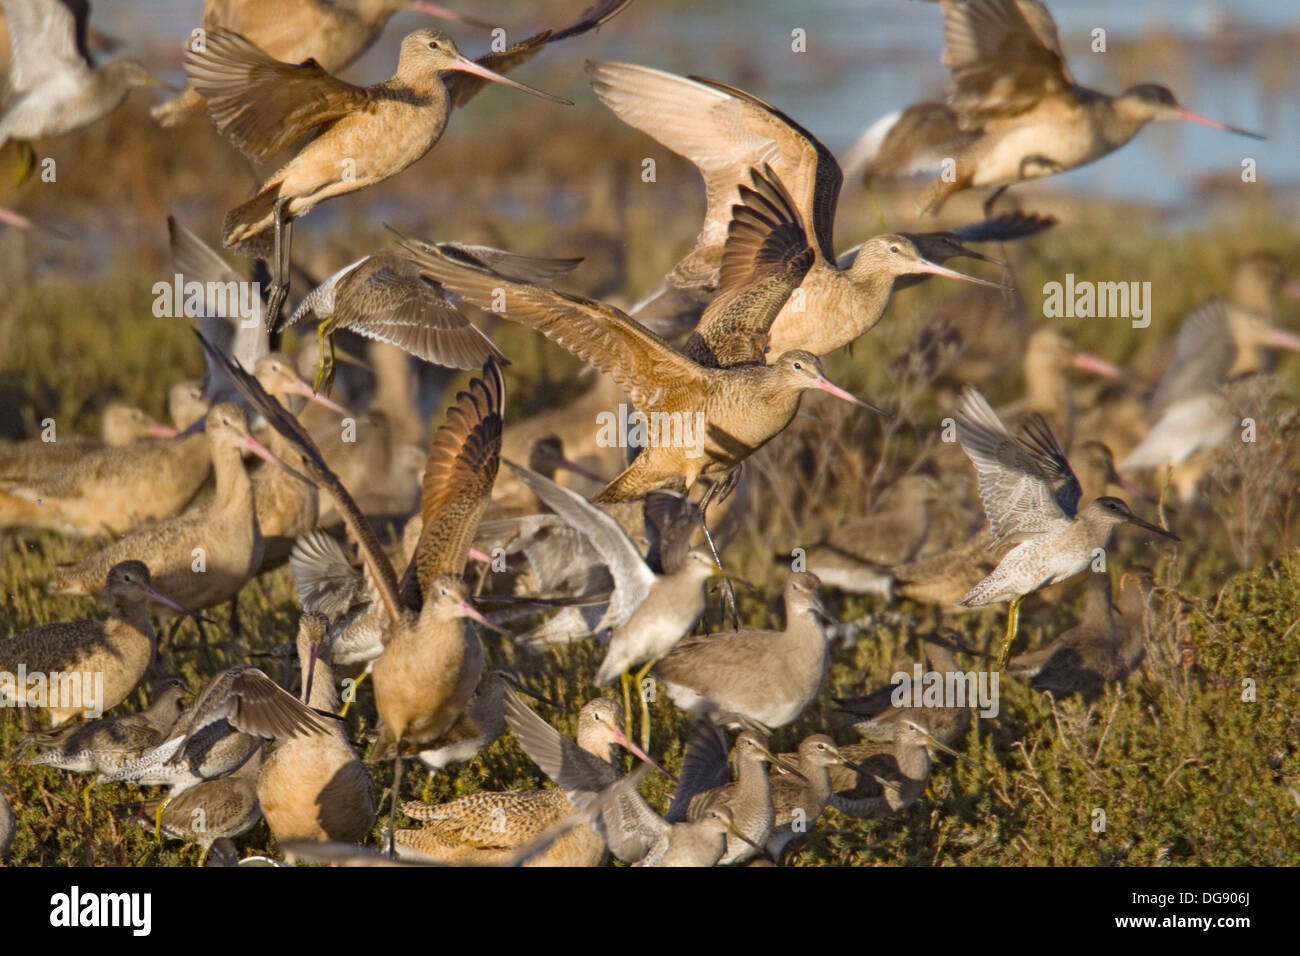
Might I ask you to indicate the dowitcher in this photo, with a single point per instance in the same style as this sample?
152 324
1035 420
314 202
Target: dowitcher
798 801
333 34
1031 495
1018 112
203 557
754 677
312 786
263 106
892 770
705 784
382 296
1103 648
211 810
53 86
490 827
104 746
121 425
725 131
630 828
221 731
118 650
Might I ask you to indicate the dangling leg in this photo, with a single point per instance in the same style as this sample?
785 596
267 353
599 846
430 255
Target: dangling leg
721 489
157 818
355 685
392 816
993 197
645 704
627 702
1013 622
85 796
325 364
283 229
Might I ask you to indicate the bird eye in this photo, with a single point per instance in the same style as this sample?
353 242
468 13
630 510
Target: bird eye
798 365
893 249
433 44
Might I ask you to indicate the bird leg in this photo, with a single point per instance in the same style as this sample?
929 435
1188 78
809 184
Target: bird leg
721 489
325 370
993 197
157 818
283 230
85 796
645 704
627 702
392 816
204 855
1013 622
355 684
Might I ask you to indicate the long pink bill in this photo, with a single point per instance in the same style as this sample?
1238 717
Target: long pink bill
568 465
305 390
1191 117
933 268
471 612
440 12
261 451
830 388
1098 366
466 65
1282 339
313 652
14 219
159 430
620 738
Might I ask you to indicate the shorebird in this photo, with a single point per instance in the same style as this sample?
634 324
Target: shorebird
755 678
431 661
333 34
263 106
221 731
121 425
1103 648
208 811
630 828
725 131
490 827
104 746
482 722
312 786
707 420
705 784
1030 495
186 403
117 650
382 296
203 557
1014 110
53 86
647 613
798 801
112 490
1194 407
891 769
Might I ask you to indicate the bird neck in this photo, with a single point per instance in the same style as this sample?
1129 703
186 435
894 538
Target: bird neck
1118 119
233 488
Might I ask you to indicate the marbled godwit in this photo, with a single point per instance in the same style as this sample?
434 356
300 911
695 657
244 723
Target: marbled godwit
186 403
647 613
312 786
382 296
104 746
202 557
111 490
705 783
331 33
117 650
1191 410
1020 112
754 677
53 85
209 811
1030 494
264 105
220 732
122 424
490 827
726 131
1103 648
740 408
